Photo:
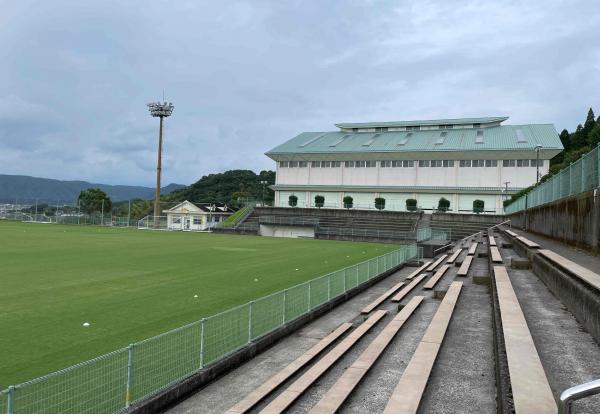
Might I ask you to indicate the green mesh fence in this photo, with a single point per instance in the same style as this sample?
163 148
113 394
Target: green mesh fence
583 175
96 386
112 382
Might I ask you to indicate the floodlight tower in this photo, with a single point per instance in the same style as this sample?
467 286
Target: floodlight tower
159 110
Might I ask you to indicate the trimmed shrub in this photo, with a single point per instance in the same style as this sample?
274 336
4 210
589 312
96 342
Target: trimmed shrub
293 201
478 206
443 205
348 202
411 204
319 201
380 203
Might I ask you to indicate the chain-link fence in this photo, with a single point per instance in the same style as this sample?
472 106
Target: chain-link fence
582 175
110 383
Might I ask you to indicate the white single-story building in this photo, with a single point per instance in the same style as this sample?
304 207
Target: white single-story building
461 160
196 216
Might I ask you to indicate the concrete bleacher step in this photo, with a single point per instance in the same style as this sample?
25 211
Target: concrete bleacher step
472 249
463 270
367 309
406 290
435 264
496 257
342 388
298 387
528 242
408 392
419 270
531 391
590 277
275 381
436 277
454 256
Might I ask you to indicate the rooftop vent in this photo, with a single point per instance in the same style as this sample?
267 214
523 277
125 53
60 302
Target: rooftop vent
442 138
310 141
405 139
340 140
371 140
520 136
479 137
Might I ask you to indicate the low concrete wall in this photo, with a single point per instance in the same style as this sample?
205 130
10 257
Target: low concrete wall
332 212
490 219
196 381
573 220
272 230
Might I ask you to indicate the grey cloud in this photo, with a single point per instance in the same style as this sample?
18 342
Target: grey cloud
246 75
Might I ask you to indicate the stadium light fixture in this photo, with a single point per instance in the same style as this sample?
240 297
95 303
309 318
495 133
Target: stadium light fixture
159 110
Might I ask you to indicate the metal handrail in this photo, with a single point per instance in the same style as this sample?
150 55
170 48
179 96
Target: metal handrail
575 393
500 224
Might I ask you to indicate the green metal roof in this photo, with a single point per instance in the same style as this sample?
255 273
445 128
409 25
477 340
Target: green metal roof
452 121
505 137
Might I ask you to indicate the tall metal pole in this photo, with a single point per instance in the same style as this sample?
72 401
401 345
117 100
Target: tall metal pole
158 170
159 110
102 218
129 214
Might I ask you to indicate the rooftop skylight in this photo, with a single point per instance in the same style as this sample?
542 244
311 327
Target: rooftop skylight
310 141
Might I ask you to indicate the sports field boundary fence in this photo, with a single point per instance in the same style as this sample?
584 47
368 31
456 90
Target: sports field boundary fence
112 382
581 176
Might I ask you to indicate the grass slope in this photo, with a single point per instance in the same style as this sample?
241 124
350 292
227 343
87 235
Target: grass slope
132 284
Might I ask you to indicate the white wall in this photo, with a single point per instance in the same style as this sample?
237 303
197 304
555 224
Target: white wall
286 231
456 176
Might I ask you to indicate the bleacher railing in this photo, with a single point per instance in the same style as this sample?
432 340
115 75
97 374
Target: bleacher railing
112 382
582 175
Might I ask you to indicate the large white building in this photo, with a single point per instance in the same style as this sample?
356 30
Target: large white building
459 159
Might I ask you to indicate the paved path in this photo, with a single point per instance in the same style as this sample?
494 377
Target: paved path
582 257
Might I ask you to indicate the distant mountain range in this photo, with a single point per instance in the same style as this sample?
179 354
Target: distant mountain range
24 188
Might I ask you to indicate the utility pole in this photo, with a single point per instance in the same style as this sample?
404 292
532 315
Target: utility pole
263 192
102 218
537 163
506 183
159 110
129 214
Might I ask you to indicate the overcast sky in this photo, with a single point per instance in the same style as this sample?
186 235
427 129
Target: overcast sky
245 76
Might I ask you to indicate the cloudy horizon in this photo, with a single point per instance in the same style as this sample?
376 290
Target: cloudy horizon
245 76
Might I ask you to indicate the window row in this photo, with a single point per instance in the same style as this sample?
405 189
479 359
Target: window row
410 164
522 163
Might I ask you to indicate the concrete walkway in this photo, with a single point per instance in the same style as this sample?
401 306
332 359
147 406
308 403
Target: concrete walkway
569 354
582 257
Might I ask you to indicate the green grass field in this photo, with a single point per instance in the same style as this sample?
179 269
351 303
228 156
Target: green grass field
132 284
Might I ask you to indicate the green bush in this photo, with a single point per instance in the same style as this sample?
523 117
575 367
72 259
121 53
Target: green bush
478 206
348 202
443 205
293 201
380 203
411 204
319 201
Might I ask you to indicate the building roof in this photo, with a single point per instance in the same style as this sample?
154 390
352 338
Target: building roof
505 138
189 207
451 121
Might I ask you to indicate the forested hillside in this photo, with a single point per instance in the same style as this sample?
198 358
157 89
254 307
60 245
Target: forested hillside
582 140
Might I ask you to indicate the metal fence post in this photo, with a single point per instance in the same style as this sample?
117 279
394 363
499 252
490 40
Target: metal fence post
329 287
309 296
250 321
10 400
129 375
345 288
202 343
284 305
